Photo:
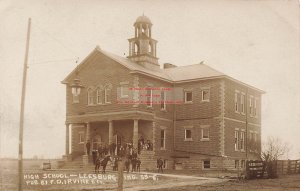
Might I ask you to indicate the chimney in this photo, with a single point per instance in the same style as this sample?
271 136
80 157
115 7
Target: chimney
168 65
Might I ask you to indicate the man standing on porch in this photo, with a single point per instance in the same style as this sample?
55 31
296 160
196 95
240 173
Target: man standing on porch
88 147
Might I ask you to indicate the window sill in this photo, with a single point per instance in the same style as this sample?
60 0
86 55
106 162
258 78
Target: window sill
204 100
188 102
162 149
243 113
124 96
81 143
163 110
204 139
188 140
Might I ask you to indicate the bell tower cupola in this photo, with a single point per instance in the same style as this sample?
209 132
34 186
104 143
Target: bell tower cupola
142 48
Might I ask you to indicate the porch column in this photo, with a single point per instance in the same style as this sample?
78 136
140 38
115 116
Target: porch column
135 133
67 138
110 132
88 135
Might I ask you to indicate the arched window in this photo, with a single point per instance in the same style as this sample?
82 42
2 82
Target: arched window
136 48
99 96
90 96
150 48
107 94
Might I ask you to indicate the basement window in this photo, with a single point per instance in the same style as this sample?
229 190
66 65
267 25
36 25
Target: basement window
206 164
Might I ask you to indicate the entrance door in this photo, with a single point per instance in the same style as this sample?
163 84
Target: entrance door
118 139
96 142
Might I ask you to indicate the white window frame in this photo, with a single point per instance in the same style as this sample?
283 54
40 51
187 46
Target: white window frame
163 147
236 102
236 140
251 105
81 138
90 96
255 107
99 96
163 105
107 92
242 140
236 164
185 96
185 134
149 99
122 92
203 128
243 164
243 103
202 94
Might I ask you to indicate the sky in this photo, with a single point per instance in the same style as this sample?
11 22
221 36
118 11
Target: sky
256 42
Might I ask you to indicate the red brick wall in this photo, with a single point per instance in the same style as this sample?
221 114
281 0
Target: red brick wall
199 109
209 147
238 120
99 70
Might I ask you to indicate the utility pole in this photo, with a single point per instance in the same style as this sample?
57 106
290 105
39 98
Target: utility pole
20 159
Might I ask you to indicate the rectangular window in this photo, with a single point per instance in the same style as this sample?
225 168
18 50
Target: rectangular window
251 106
236 164
236 104
188 97
163 96
206 164
255 107
81 137
242 140
149 97
205 94
90 97
107 95
242 163
124 91
162 139
204 134
255 137
188 134
236 140
243 103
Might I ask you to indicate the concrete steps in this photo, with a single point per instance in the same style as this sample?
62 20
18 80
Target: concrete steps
148 162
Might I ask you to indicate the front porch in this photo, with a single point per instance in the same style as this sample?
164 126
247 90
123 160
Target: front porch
104 134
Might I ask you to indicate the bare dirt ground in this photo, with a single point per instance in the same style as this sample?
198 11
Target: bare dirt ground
142 181
283 183
169 181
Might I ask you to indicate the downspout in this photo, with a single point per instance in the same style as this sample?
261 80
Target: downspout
174 123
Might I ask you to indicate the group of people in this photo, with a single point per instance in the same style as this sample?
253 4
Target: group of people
144 145
135 164
113 153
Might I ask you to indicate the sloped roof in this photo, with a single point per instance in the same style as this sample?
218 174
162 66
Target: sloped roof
173 75
192 72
